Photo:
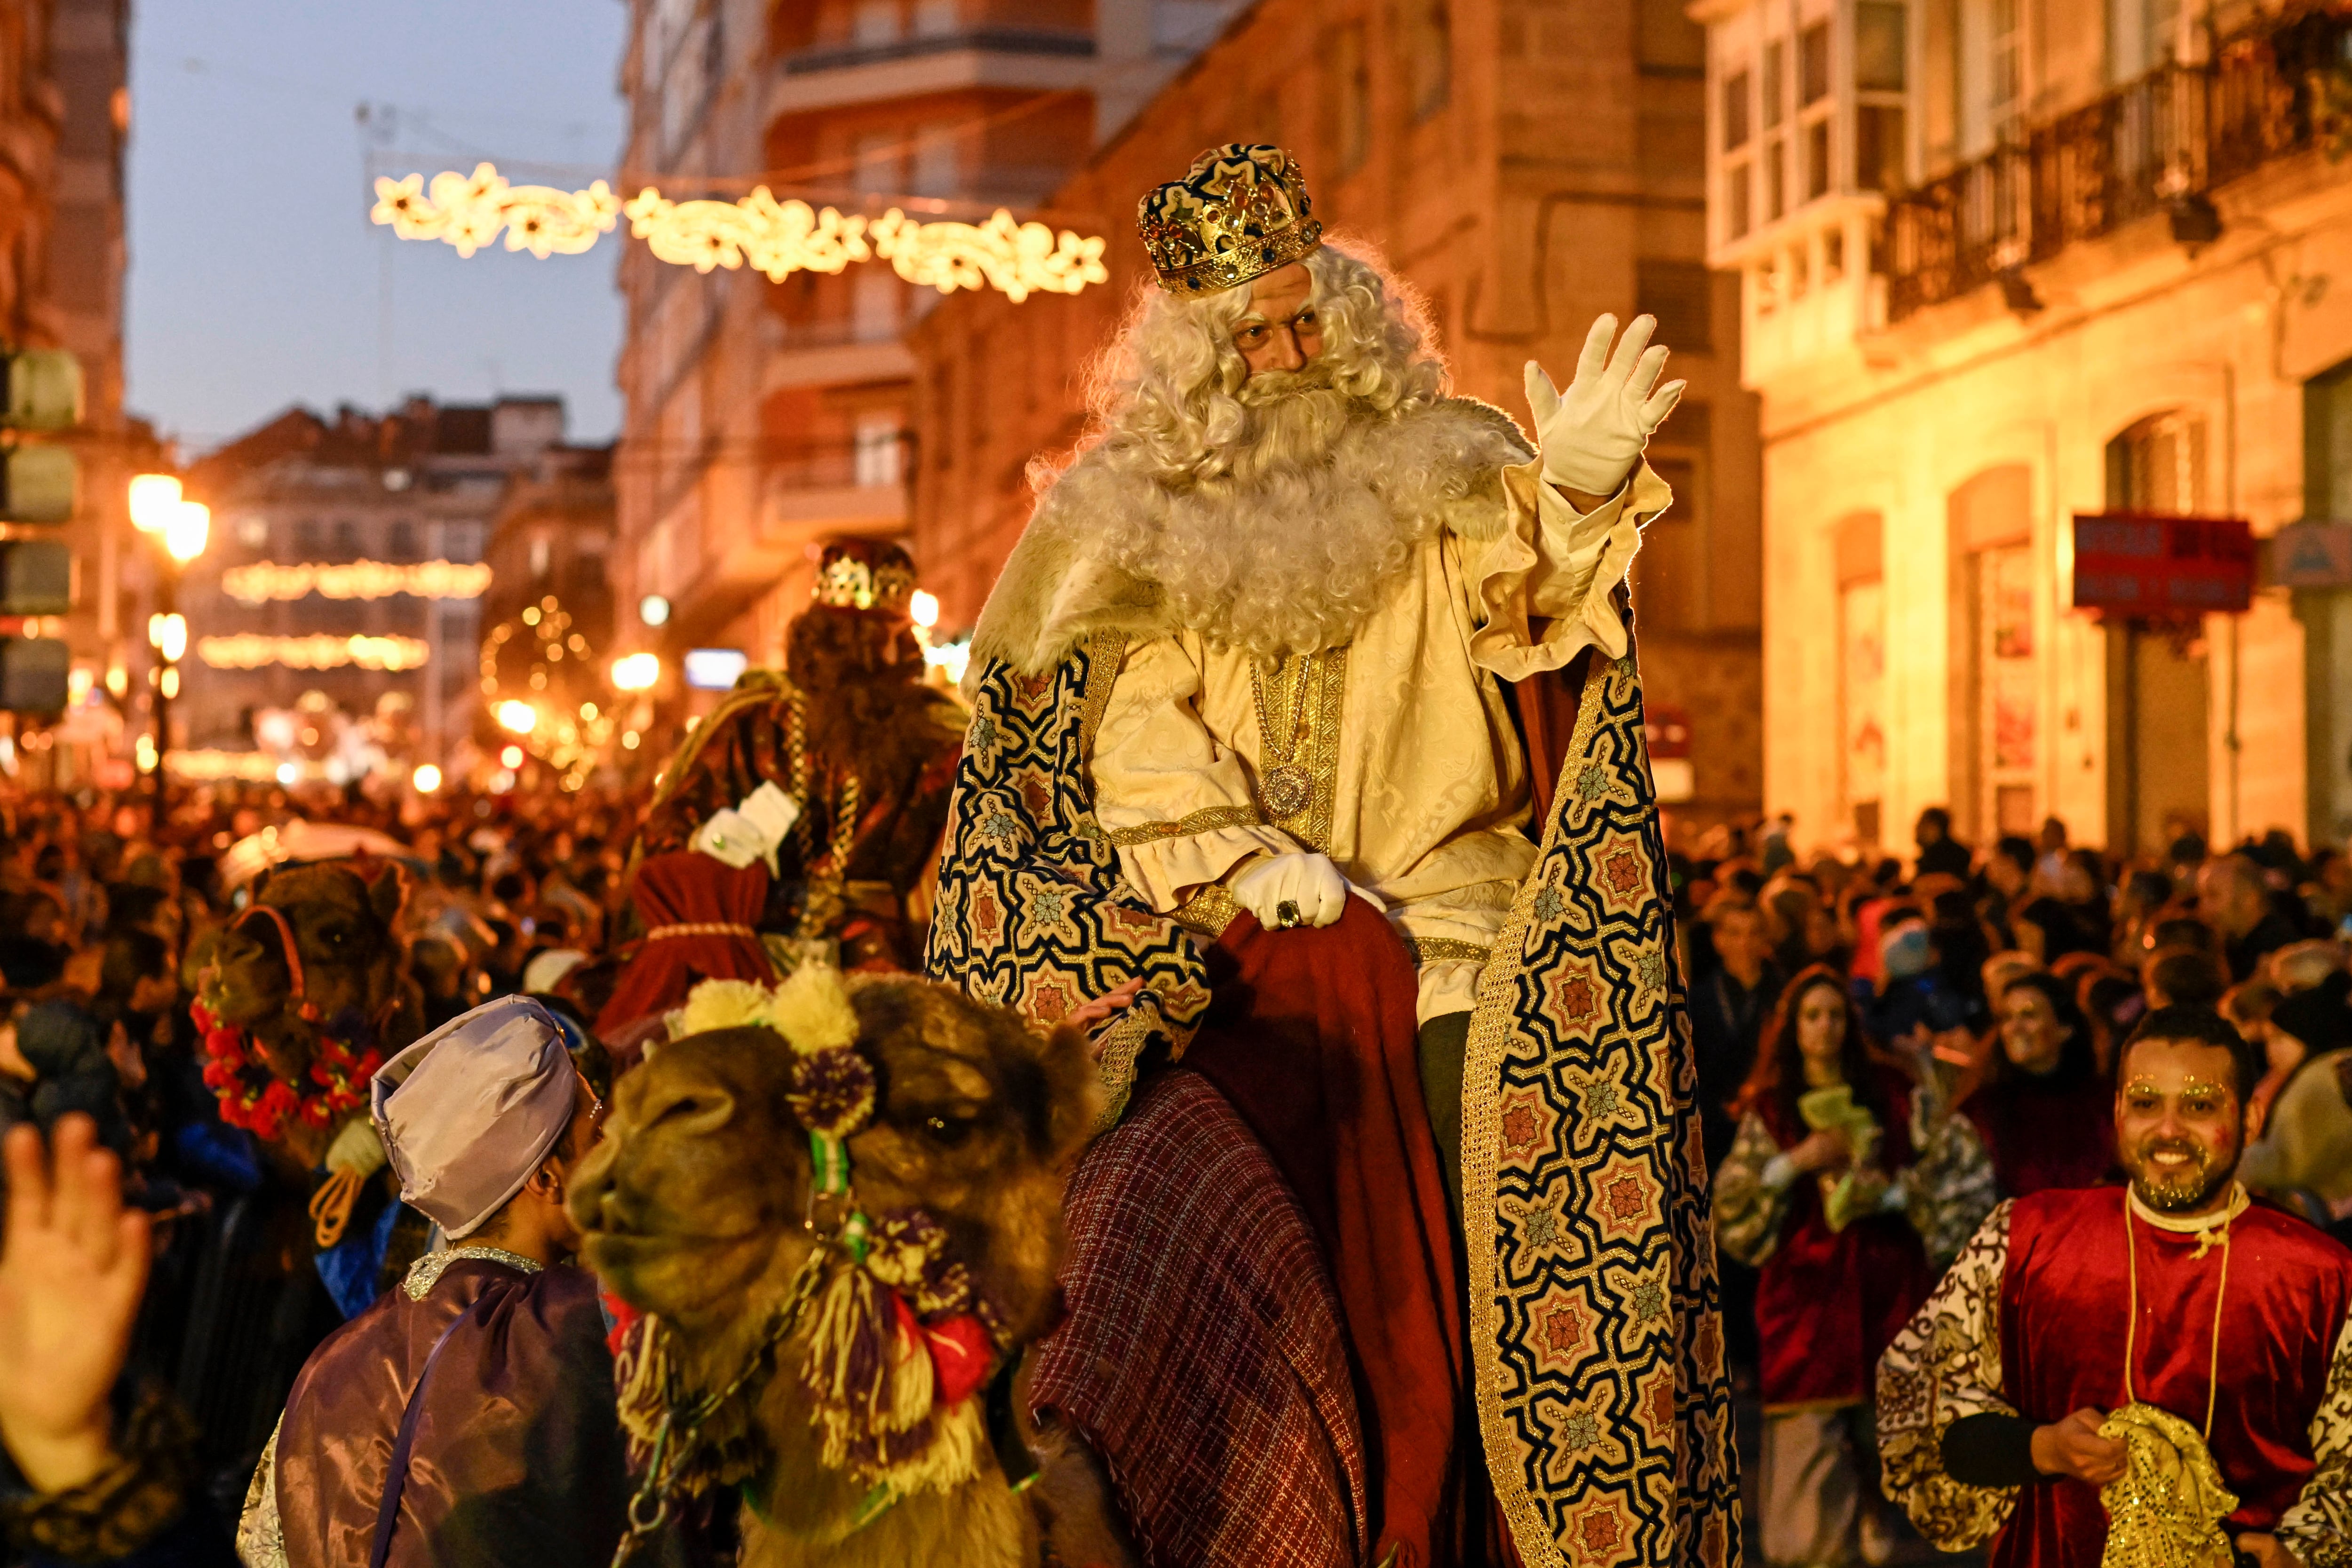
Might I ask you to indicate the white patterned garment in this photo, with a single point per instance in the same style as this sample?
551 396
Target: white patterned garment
1428 790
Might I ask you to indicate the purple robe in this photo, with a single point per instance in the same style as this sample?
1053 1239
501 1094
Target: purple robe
518 1457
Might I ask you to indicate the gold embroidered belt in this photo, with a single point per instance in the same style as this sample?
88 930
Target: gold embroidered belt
700 928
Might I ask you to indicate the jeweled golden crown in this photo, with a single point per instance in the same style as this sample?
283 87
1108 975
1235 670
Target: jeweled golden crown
857 574
1239 213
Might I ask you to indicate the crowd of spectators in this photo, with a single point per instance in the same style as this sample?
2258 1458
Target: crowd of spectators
1886 1049
105 915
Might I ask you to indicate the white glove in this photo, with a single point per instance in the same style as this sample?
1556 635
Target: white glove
1309 885
356 1149
1591 436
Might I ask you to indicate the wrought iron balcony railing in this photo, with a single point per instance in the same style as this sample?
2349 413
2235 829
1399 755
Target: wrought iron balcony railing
2160 143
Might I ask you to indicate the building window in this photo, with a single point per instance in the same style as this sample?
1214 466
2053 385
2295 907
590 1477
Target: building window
874 304
878 443
1679 294
347 539
401 540
2005 80
1429 55
1735 184
1817 159
1735 111
876 157
1813 64
1776 179
1776 83
875 22
938 169
309 536
1352 80
1878 152
1880 61
2157 465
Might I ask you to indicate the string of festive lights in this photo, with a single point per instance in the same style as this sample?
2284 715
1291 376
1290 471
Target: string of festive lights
252 650
268 580
774 238
469 210
547 712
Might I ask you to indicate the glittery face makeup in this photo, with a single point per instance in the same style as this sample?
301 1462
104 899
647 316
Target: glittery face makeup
2178 1129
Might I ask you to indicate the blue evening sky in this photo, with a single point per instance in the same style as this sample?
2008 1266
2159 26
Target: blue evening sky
255 279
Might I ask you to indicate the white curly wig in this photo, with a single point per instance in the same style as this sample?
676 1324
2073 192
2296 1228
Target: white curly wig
1272 509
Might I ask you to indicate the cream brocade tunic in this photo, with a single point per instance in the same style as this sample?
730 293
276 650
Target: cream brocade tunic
1421 792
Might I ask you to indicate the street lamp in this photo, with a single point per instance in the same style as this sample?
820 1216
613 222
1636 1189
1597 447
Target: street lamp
153 498
186 529
159 509
636 672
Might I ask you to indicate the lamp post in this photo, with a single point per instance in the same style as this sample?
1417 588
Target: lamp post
181 527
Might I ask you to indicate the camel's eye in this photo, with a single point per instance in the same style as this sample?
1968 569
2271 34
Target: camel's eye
948 1131
688 1105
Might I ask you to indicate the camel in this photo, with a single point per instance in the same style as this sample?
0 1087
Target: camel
703 1207
313 969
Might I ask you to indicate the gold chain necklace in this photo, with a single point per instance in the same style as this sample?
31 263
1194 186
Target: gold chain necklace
1284 784
2205 1239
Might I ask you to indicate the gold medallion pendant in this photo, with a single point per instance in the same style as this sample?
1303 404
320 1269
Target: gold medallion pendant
1286 790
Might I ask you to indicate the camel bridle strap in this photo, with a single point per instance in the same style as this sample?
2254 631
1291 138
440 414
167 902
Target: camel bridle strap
296 991
684 1415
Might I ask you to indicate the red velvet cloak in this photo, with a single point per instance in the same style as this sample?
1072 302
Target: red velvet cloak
2063 1312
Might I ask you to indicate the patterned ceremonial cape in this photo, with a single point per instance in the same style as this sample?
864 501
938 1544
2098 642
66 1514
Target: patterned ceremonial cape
1596 1322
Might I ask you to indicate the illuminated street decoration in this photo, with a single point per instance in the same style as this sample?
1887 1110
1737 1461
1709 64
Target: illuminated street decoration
778 238
252 650
268 580
1015 259
469 210
547 710
774 238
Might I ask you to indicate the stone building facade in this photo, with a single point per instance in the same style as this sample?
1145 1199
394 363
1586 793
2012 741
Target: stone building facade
1524 165
2001 266
762 418
366 526
65 118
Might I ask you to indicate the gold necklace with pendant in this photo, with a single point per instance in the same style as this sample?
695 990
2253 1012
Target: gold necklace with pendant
1284 784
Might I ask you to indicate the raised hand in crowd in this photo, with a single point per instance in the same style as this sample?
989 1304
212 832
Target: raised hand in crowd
72 1267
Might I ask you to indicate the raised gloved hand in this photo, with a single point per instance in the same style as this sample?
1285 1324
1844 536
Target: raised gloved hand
1592 436
1284 891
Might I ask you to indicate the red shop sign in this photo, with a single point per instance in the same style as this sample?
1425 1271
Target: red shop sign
2160 564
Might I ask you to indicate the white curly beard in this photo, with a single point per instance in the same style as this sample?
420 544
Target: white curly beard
1326 501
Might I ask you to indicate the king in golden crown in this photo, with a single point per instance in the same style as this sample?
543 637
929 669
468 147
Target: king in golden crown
1241 212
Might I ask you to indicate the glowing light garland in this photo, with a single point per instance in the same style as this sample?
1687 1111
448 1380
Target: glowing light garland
549 717
774 238
252 650
268 580
469 210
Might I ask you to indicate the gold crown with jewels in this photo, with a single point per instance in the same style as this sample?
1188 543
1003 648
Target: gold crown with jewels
1239 213
860 574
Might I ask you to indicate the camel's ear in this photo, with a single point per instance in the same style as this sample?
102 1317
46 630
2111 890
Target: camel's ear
387 893
1077 1090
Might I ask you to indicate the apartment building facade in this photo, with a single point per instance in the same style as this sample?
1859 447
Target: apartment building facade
1524 166
763 418
334 620
2006 264
65 119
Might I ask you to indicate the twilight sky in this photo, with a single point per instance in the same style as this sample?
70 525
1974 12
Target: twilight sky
255 279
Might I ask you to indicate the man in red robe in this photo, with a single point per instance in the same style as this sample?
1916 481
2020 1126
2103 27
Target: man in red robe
2169 1335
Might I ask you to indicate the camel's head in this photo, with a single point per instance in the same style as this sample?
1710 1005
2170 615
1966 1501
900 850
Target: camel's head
695 1203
